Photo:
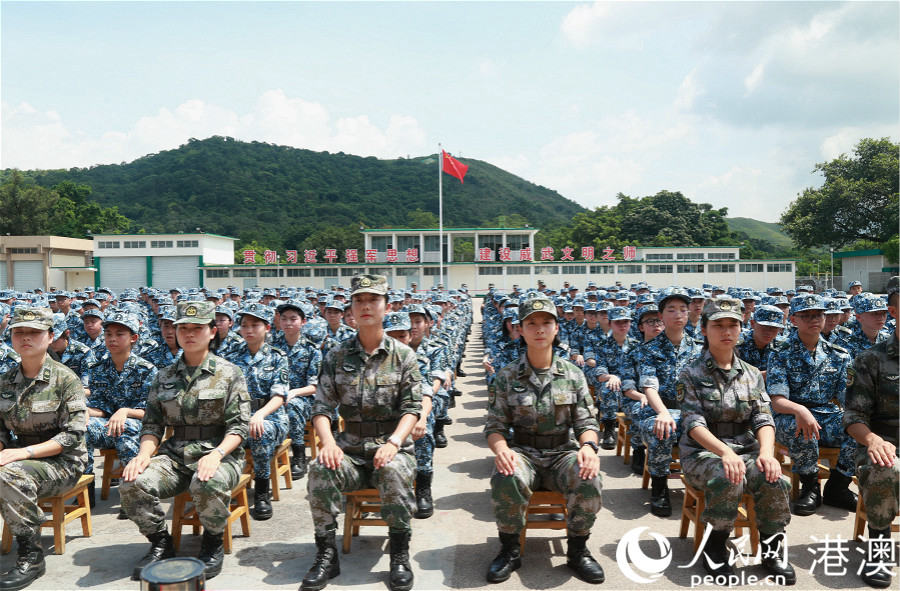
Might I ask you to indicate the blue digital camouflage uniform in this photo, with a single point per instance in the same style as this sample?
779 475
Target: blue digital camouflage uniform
819 383
161 356
8 358
267 375
304 360
631 407
856 340
747 350
111 390
424 446
610 360
78 357
659 364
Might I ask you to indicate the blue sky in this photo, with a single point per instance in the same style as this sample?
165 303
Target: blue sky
731 103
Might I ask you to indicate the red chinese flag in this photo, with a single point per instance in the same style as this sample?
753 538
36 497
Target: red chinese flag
454 167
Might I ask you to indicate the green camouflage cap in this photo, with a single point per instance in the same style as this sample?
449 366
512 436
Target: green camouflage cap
723 308
32 317
533 305
195 312
376 284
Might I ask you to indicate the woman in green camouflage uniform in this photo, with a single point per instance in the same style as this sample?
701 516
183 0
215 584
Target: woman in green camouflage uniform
41 403
728 444
204 399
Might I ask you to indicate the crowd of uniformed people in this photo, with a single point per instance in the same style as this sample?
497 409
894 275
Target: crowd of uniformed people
181 383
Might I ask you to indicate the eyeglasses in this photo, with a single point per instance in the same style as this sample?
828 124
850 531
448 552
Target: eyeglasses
810 316
653 322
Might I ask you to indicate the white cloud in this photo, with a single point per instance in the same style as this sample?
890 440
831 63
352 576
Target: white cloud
688 91
753 79
579 26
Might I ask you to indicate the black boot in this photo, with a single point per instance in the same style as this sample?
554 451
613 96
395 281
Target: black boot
579 559
715 559
609 435
460 373
507 561
775 559
92 498
810 497
424 504
871 575
161 547
440 440
327 565
262 507
637 460
401 578
29 564
298 461
212 553
837 494
660 505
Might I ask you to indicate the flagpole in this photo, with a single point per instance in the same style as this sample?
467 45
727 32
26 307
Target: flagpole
441 213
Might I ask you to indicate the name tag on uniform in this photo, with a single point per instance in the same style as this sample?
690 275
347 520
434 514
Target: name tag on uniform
891 378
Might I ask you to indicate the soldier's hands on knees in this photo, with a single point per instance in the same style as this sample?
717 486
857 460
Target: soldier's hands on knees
384 455
807 424
663 426
115 426
330 456
614 383
506 460
257 426
12 455
588 463
882 453
770 467
734 467
420 428
208 465
135 467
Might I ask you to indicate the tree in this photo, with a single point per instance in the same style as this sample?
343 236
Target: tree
857 201
27 209
421 219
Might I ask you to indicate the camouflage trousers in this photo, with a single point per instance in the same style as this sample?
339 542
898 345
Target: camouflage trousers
263 448
546 470
630 408
441 408
805 453
704 470
23 482
126 445
393 481
166 477
607 401
425 447
659 451
299 411
880 489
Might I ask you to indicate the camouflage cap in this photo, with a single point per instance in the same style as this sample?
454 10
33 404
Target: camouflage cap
376 284
672 292
166 313
293 305
195 312
59 325
225 310
32 317
534 305
833 306
768 316
415 309
257 310
802 302
644 310
126 319
92 313
871 304
396 321
723 307
335 304
620 313
854 284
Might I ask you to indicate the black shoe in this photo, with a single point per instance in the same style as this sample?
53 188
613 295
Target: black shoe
660 505
774 557
440 440
455 392
424 503
92 497
212 553
460 373
507 561
262 506
122 514
401 578
836 494
579 559
29 564
715 554
609 435
298 461
810 497
161 547
637 460
873 573
327 565
447 420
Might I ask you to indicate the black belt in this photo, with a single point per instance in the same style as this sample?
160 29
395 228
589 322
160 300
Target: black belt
258 403
370 428
728 429
670 403
198 432
26 439
541 441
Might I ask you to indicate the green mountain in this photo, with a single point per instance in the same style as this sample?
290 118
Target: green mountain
767 231
280 196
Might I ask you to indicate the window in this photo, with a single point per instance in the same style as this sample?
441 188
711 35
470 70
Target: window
162 244
351 271
517 242
244 273
721 255
688 268
271 272
750 267
431 271
490 270
332 272
546 270
779 267
381 243
518 270
603 269
431 243
214 273
575 269
658 256
107 244
689 256
721 268
135 244
188 243
492 241
659 268
298 273
31 250
405 242
386 271
636 268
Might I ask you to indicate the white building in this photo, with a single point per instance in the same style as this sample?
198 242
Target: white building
869 267
44 262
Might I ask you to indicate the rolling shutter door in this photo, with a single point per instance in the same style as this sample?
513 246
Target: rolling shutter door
169 272
3 284
28 275
118 273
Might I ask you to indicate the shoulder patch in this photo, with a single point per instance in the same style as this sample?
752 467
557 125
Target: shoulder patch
679 391
839 349
851 375
492 394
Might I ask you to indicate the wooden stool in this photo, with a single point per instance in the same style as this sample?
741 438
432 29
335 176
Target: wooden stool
859 522
623 437
239 507
692 510
311 440
360 502
673 467
112 468
279 465
825 453
543 502
61 515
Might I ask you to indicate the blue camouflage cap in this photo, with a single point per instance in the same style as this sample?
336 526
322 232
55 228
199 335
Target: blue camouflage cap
844 304
871 304
604 306
647 298
257 310
670 293
123 317
167 313
221 309
335 304
620 313
293 305
396 321
802 302
92 312
59 325
854 284
768 316
833 306
646 310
